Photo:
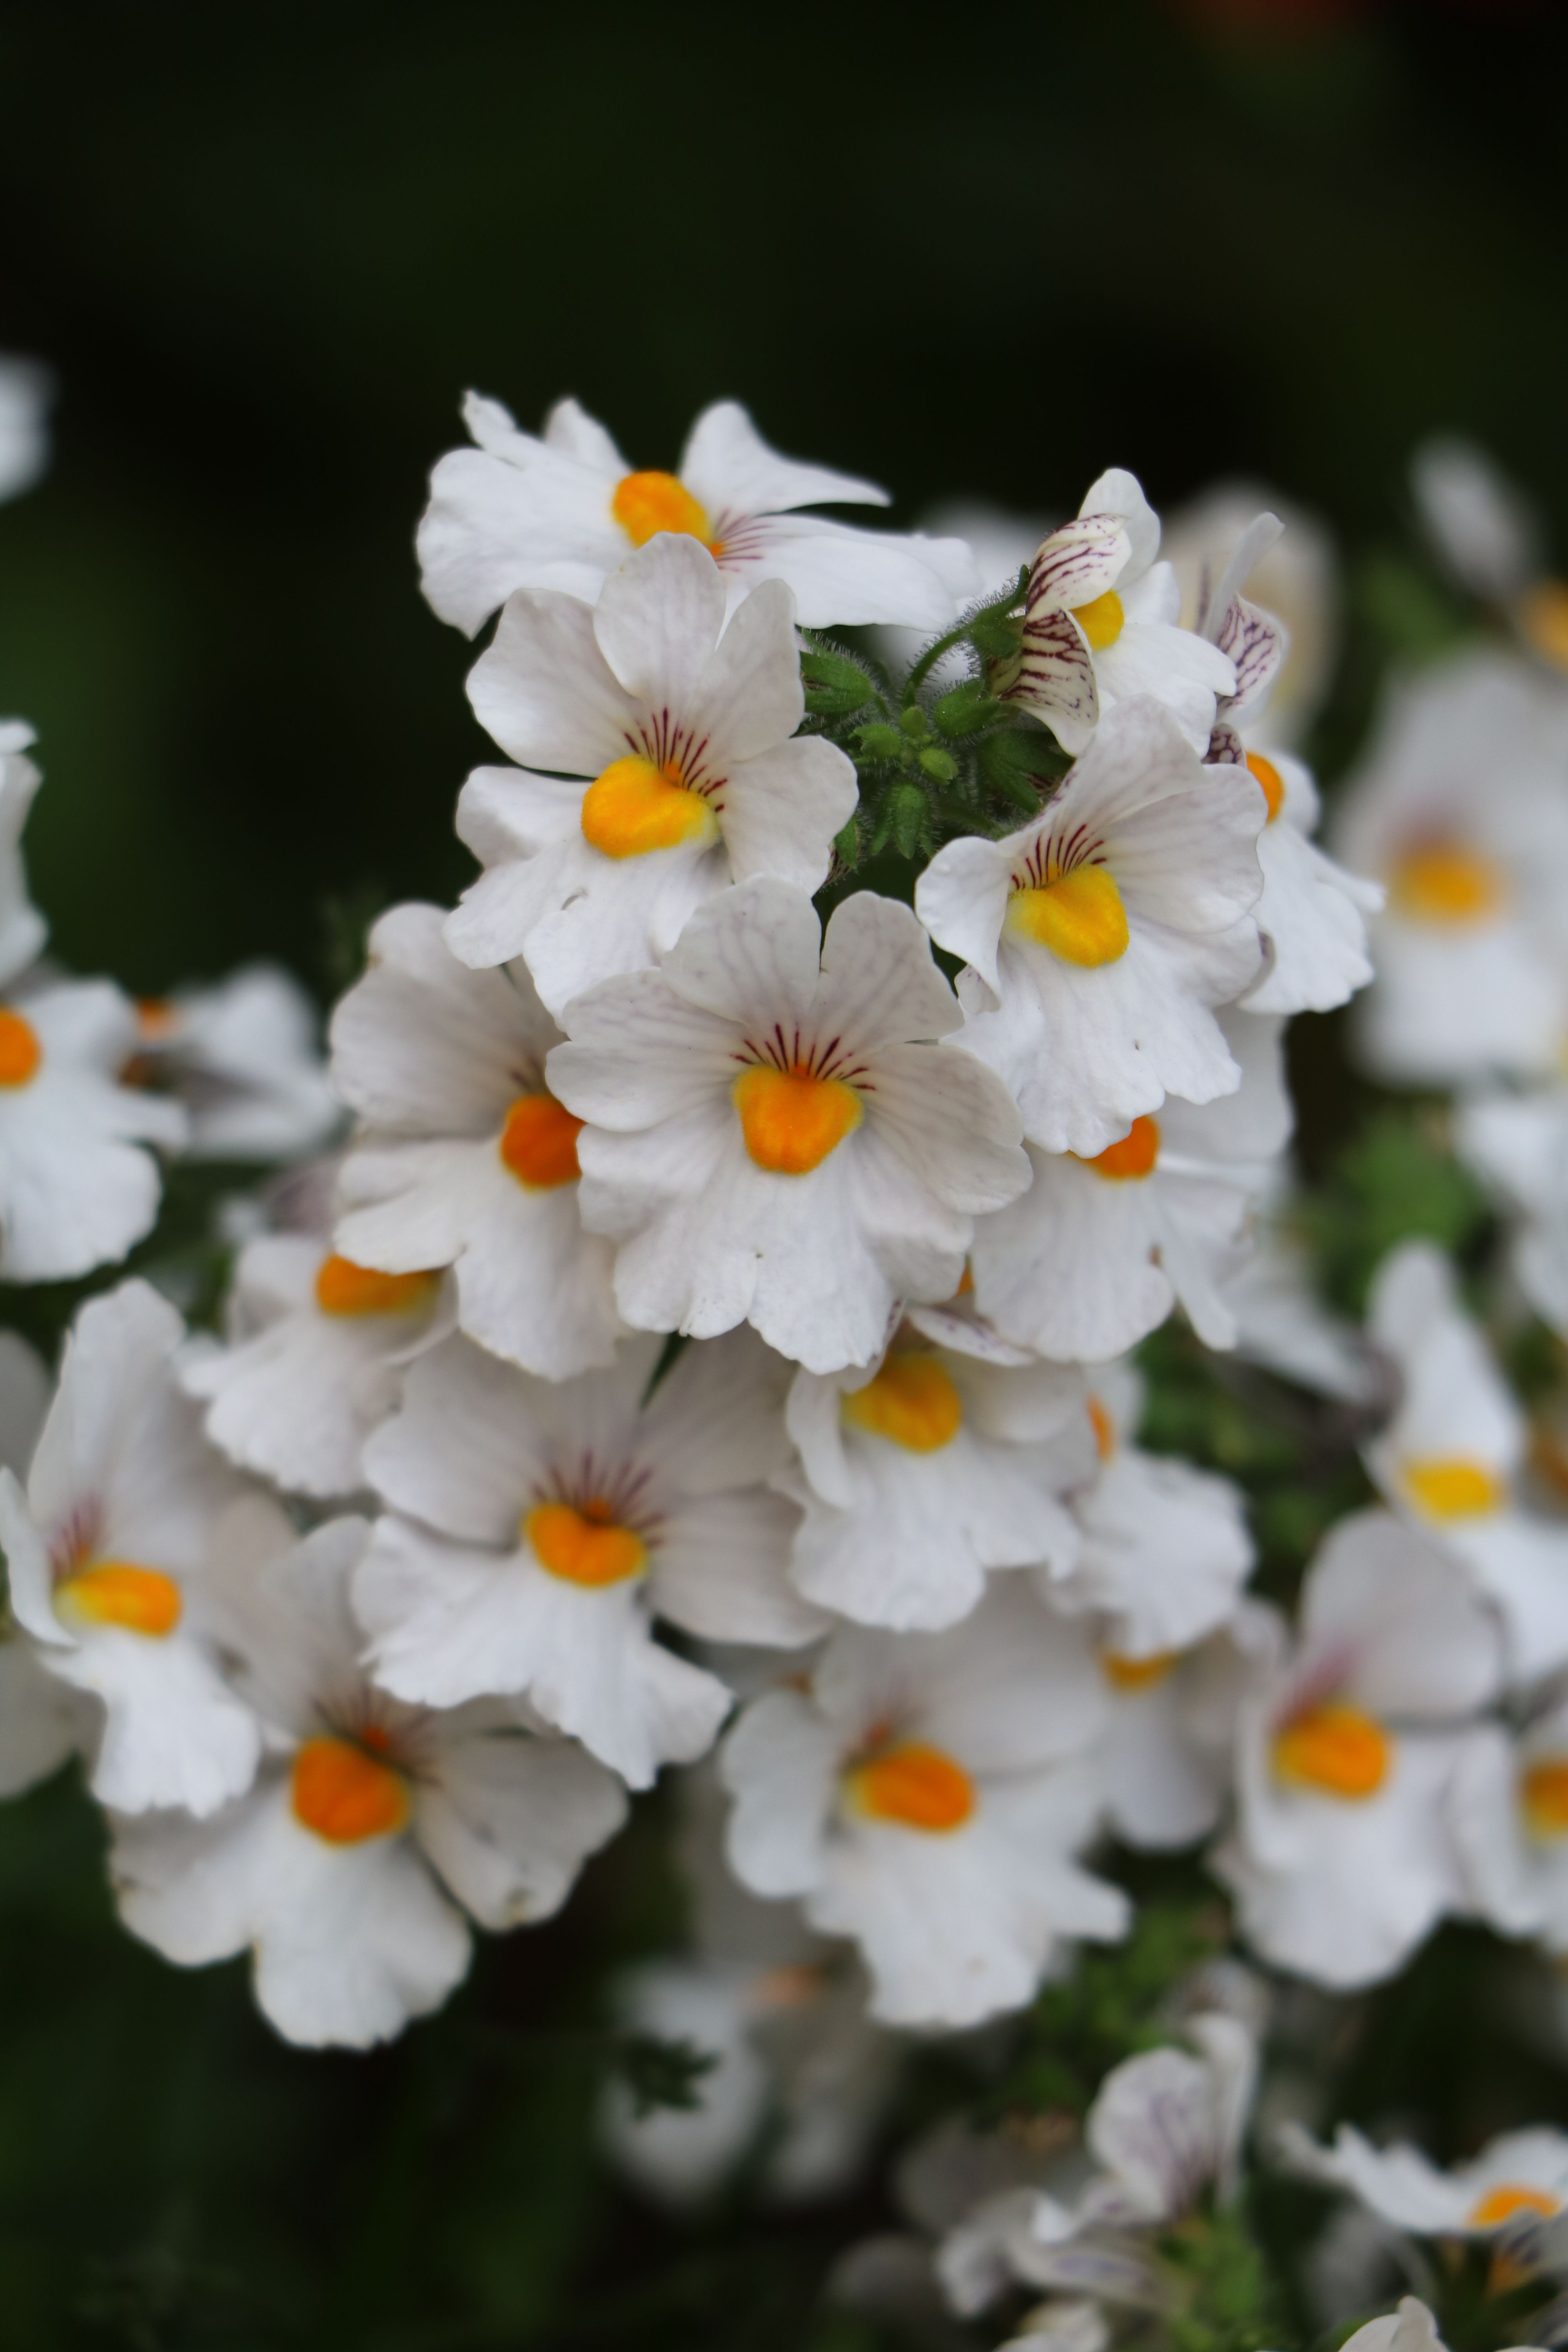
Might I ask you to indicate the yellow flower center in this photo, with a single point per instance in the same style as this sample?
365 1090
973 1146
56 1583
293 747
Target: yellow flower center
634 808
1445 884
117 1592
344 1288
1101 619
584 1547
1080 916
1336 1749
345 1795
1543 615
1136 1673
791 1118
1104 1428
1134 1157
1544 1797
918 1786
1508 2198
20 1051
539 1142
647 503
1452 1487
910 1401
1267 774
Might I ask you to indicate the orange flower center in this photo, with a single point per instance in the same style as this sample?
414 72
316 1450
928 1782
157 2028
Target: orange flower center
1104 1428
1336 1749
911 1400
1272 781
539 1142
1543 615
584 1547
344 1288
1080 916
647 503
635 807
346 1796
1136 1673
918 1786
1544 1797
1134 1157
1508 2198
791 1118
1452 1487
1101 619
1444 884
20 1051
117 1592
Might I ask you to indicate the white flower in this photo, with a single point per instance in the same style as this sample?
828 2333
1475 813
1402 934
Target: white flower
125 1515
919 1476
775 1142
465 1159
926 1793
76 1189
1460 812
1101 625
567 511
1488 532
1100 1247
684 730
1099 937
42 1719
1281 1322
1411 2329
1294 578
1343 1858
23 929
1312 913
1165 1548
26 393
542 1526
242 1056
1509 1809
1516 2182
1450 1457
369 1825
1518 1144
1169 1744
314 1362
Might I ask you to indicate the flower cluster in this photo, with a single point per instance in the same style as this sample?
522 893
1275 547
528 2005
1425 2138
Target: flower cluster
708 1340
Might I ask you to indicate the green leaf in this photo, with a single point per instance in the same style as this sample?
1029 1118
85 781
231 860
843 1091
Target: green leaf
968 708
906 817
940 766
662 2073
879 741
835 685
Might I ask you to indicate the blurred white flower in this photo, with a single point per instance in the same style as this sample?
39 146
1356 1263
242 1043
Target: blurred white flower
26 396
1294 578
243 1059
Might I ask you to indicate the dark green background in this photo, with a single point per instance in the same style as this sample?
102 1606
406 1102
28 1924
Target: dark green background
266 250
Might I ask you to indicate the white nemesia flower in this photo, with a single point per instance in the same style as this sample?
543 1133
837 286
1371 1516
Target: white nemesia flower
1101 625
684 732
23 929
242 1058
1312 913
125 1518
1410 2328
1510 1810
42 1719
1450 1457
314 1360
566 511
1518 2181
26 393
1480 522
1102 1246
543 1525
1101 936
1461 813
76 1188
1518 1144
918 1475
1342 1857
1280 1321
1293 578
1169 1753
774 1137
464 1158
926 1793
1165 1548
372 1830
